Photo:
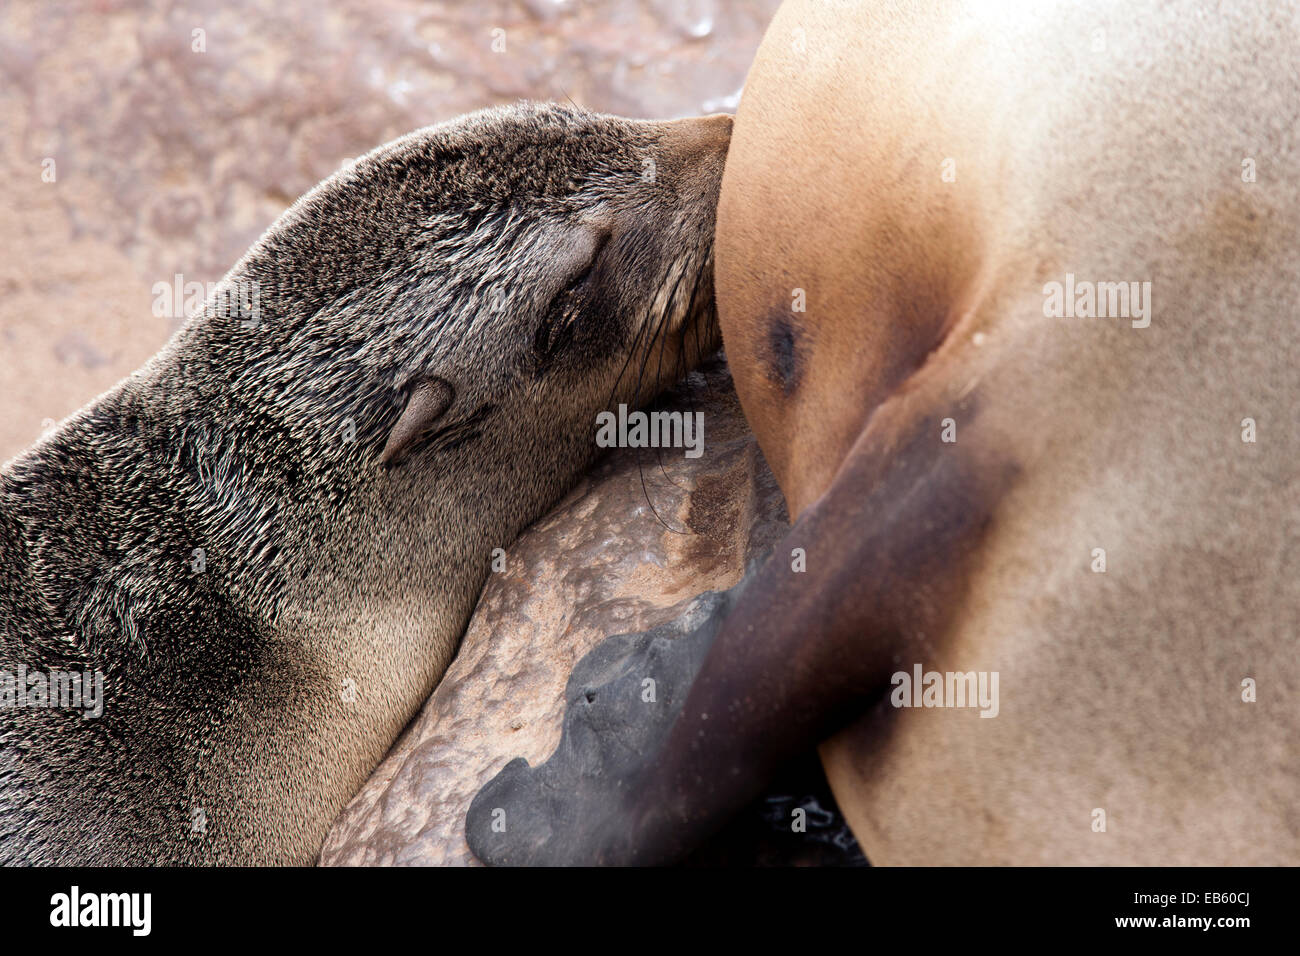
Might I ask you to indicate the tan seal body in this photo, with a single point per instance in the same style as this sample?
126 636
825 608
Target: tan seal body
1009 293
268 539
924 172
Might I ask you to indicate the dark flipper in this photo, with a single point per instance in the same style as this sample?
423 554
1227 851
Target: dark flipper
881 559
795 822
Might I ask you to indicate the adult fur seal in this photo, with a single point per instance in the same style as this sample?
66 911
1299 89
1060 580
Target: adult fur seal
269 538
1094 504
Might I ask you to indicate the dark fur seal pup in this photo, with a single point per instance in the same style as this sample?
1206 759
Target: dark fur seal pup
268 540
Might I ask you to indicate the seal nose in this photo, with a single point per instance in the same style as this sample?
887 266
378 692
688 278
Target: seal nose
699 136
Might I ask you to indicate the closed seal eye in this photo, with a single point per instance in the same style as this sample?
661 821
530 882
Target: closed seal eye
557 326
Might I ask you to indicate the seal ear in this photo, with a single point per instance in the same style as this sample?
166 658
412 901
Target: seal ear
427 402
